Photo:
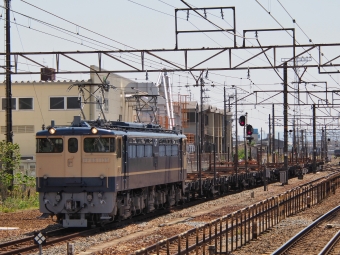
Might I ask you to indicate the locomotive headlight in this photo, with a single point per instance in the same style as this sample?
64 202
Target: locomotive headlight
89 197
94 130
52 130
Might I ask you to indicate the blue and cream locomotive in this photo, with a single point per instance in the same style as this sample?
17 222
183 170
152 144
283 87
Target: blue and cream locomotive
93 172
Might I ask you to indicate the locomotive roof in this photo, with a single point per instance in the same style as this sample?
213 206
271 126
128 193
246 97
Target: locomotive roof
112 128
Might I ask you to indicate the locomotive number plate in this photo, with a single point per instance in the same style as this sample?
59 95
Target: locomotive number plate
95 160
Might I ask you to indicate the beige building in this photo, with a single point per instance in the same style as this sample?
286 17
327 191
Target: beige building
36 103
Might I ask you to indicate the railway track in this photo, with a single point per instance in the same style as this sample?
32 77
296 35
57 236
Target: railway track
232 231
333 246
315 237
26 244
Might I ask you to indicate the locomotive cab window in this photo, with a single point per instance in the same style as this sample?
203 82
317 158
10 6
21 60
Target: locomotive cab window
99 144
72 145
49 145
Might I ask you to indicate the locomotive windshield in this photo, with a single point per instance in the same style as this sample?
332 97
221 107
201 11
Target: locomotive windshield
99 144
49 145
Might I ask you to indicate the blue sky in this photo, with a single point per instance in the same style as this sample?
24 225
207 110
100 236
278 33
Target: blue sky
149 24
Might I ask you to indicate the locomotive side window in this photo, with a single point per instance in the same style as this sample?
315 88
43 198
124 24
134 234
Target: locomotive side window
148 150
168 150
161 150
140 151
119 147
72 145
99 144
174 150
132 151
49 145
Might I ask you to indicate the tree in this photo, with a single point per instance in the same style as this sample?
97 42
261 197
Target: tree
241 154
9 162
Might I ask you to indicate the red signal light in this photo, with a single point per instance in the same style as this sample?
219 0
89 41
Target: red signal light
242 120
249 129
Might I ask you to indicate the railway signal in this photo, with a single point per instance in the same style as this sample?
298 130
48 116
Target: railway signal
249 129
242 120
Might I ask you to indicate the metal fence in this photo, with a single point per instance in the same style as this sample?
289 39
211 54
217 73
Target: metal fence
226 234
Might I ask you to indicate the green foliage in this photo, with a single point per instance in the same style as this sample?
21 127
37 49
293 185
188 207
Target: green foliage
9 155
27 200
241 154
17 190
9 162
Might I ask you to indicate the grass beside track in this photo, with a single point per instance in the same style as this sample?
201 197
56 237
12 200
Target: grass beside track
19 202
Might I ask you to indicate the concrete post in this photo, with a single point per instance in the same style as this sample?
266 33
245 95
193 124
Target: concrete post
70 249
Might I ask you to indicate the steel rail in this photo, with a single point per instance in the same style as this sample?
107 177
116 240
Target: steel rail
328 247
174 240
303 232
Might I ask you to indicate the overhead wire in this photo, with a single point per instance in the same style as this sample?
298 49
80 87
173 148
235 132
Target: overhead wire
284 28
35 91
23 1
291 36
92 31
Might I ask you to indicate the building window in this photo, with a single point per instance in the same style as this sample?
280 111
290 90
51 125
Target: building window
73 103
24 103
191 116
58 103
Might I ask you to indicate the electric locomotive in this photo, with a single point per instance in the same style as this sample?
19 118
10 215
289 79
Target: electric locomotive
94 172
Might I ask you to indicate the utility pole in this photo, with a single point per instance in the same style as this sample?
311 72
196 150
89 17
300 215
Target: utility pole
9 131
322 143
231 150
197 143
245 143
269 137
236 142
306 144
285 121
261 149
202 136
278 147
326 146
314 140
225 122
273 144
302 146
294 142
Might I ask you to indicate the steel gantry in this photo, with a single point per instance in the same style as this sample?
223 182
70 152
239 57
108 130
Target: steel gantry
180 55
